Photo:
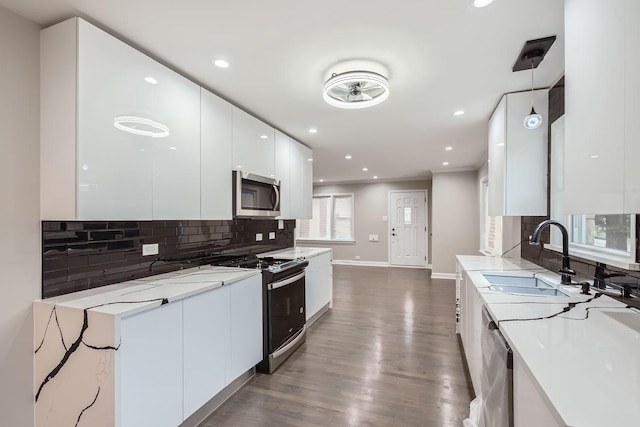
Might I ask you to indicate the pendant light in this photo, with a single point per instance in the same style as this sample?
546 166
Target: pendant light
533 120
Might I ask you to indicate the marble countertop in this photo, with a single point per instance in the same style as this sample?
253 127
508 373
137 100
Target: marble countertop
297 252
583 351
131 297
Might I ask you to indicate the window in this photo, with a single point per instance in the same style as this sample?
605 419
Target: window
604 238
332 219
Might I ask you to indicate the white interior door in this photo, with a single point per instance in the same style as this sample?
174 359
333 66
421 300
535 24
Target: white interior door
407 228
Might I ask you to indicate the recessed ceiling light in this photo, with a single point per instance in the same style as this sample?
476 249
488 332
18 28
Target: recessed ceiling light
150 80
173 148
348 157
264 136
221 63
448 148
595 156
375 176
321 180
313 130
458 113
239 167
482 3
365 169
309 160
445 163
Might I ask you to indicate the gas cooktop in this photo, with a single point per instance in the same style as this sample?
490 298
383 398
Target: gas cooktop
272 265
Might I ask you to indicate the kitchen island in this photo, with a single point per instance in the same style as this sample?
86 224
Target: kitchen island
158 351
576 358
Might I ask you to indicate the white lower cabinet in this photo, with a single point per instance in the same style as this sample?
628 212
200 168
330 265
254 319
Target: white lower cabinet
529 408
207 333
246 325
318 283
471 318
151 368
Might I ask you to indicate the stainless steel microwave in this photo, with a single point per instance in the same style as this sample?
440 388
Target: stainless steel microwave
255 196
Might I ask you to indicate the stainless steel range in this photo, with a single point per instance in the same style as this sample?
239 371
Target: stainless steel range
284 318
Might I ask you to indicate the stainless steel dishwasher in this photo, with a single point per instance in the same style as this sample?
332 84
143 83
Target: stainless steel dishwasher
497 376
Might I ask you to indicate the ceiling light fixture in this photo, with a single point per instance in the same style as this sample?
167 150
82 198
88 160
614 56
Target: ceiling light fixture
375 176
141 126
482 3
348 157
221 63
321 180
365 169
533 120
448 148
151 80
263 137
309 160
445 163
458 113
313 130
356 89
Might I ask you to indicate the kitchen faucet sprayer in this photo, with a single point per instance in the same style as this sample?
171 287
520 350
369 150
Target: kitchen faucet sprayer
566 271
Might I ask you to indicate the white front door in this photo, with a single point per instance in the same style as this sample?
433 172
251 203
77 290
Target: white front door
407 227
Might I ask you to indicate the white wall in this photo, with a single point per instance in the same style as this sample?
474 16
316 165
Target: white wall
19 214
371 204
455 225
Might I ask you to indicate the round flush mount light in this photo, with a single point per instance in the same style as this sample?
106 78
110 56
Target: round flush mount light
356 89
221 63
151 80
458 113
313 130
348 157
141 126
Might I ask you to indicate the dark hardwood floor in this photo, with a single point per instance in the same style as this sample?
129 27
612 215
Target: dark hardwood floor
386 355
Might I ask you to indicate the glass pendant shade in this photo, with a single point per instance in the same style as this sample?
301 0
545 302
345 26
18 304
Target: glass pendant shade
533 120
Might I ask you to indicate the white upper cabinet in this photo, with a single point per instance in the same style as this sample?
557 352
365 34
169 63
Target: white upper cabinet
127 145
253 145
518 157
602 101
283 167
294 168
216 157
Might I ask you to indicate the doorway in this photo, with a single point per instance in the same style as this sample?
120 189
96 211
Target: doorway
408 228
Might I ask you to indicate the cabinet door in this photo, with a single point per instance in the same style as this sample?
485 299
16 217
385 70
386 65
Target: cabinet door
216 149
283 167
246 326
253 145
632 108
176 160
148 166
526 158
151 367
318 283
594 99
114 168
497 160
301 178
307 183
207 335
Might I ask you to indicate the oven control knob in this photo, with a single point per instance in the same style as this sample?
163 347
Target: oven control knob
301 310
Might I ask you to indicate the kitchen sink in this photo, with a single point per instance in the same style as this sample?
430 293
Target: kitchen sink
519 281
529 290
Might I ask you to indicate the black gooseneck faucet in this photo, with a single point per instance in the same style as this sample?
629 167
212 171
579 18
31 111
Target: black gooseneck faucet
566 271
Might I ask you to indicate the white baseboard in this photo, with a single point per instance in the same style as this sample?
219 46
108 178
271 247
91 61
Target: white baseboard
360 263
448 276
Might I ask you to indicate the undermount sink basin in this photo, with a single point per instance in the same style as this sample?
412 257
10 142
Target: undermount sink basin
529 290
519 281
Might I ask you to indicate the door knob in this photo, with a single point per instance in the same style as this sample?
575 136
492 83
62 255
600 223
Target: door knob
393 234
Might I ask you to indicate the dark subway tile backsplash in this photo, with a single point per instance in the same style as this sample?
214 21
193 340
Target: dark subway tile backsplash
79 255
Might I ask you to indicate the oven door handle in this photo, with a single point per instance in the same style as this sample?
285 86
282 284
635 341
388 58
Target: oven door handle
285 282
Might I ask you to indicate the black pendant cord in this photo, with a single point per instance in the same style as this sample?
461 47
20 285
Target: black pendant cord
532 85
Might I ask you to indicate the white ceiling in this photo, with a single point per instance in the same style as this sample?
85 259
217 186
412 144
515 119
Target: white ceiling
442 55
